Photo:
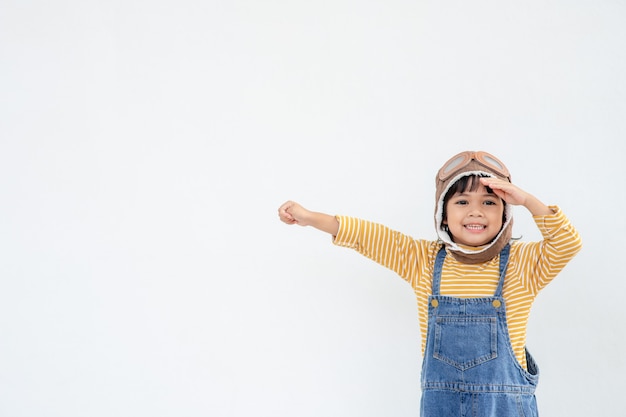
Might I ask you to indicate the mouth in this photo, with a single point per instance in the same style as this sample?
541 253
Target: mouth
475 227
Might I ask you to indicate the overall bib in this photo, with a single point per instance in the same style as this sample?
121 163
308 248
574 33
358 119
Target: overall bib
469 367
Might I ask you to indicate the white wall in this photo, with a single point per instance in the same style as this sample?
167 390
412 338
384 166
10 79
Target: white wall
146 145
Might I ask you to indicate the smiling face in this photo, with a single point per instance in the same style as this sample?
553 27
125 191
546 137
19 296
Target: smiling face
474 215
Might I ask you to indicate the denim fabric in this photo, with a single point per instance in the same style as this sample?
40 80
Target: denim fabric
469 366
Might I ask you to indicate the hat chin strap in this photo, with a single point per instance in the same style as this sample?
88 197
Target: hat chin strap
486 254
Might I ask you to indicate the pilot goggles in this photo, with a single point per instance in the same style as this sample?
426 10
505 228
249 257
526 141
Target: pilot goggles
464 158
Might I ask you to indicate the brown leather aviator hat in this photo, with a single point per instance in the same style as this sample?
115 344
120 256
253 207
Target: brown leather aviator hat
459 166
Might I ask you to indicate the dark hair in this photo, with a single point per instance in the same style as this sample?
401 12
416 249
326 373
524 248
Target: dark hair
464 184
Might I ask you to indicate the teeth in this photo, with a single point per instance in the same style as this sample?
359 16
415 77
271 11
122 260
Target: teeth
474 226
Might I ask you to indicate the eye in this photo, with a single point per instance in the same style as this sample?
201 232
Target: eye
490 203
461 202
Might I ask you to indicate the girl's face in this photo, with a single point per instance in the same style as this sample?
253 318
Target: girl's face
474 218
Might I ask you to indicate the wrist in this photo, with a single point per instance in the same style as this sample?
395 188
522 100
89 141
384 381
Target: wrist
324 222
536 207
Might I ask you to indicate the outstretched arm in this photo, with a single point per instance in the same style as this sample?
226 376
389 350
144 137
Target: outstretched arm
293 213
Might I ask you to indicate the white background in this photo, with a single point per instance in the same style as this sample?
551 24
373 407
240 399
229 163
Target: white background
145 147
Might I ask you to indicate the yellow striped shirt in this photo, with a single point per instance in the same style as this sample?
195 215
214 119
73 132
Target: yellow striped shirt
532 265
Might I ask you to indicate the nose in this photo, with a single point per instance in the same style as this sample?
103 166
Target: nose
476 210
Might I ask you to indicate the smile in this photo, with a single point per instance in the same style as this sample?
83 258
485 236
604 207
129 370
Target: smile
476 227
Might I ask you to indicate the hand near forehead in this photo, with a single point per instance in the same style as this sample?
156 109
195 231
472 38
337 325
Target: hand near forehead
514 195
510 193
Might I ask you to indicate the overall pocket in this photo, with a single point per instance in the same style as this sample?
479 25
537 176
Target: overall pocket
465 341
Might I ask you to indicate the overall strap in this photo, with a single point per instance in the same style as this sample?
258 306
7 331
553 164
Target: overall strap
441 256
504 261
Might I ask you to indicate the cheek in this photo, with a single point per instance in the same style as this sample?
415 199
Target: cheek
501 217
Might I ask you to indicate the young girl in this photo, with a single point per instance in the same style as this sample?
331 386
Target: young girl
474 287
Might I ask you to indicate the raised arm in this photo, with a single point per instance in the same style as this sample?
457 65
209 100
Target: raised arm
543 260
293 213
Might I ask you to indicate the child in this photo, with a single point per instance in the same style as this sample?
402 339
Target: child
474 287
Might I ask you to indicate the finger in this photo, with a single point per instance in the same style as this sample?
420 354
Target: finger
284 215
501 194
283 209
495 183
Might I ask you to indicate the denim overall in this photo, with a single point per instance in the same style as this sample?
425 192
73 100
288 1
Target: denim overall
469 368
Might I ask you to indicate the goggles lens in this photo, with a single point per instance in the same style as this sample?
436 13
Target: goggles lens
494 163
454 163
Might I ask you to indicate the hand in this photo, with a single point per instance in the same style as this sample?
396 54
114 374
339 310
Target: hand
514 195
293 213
508 192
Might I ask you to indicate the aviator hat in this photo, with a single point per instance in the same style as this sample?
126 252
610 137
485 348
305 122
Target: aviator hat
461 165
